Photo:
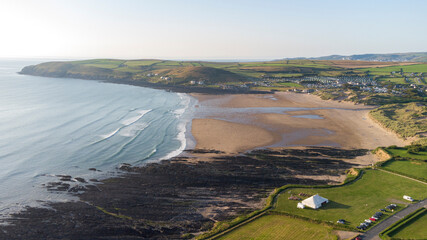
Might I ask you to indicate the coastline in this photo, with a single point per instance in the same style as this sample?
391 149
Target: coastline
191 191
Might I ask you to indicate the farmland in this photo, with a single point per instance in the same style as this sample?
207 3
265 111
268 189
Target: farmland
407 68
281 227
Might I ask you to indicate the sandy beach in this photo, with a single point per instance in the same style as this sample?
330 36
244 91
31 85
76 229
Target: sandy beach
238 123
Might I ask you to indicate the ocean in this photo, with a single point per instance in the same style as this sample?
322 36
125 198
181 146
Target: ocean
58 126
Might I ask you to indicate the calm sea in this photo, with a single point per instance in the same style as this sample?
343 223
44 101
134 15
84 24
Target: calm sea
54 126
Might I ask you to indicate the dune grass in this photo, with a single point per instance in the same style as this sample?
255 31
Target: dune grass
407 120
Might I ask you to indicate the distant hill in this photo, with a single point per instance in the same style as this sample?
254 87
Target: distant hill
390 57
208 75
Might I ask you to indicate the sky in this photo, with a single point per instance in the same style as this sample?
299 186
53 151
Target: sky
209 29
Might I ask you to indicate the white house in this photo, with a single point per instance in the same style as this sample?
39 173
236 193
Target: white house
314 201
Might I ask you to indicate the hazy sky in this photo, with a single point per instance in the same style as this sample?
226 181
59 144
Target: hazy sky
209 29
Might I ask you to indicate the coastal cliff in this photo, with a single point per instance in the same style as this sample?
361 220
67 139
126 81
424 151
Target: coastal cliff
200 79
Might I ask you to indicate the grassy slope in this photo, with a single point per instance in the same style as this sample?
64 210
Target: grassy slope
415 230
208 74
405 119
357 201
281 227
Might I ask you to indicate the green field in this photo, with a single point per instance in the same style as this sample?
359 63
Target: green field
415 229
395 80
356 201
403 152
139 63
280 227
408 68
289 84
417 169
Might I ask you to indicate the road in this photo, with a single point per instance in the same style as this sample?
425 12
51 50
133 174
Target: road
375 231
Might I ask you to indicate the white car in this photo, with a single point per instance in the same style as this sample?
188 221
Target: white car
408 198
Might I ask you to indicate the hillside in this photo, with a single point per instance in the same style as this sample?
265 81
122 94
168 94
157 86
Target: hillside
205 75
390 57
152 73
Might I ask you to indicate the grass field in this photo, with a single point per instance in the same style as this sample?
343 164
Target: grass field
402 152
395 80
280 227
357 201
409 168
415 229
139 63
288 84
408 68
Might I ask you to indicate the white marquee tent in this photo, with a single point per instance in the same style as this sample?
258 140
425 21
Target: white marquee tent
315 201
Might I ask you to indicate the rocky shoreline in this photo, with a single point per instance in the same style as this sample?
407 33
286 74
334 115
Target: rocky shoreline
177 197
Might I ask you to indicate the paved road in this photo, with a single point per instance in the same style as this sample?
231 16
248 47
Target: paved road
375 231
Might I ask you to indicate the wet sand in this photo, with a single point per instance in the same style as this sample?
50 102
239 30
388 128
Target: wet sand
321 123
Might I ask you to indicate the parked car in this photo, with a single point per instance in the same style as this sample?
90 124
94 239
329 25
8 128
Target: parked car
341 221
372 219
361 227
391 206
408 198
368 221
